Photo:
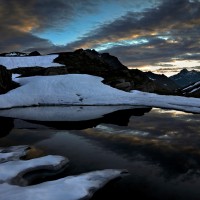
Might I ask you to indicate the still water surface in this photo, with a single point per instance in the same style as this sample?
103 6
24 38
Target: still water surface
160 149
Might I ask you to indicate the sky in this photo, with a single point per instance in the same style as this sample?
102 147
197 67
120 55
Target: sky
158 35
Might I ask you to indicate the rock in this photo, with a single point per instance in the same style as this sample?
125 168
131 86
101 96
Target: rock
126 86
6 82
6 126
29 71
163 81
34 53
89 62
55 71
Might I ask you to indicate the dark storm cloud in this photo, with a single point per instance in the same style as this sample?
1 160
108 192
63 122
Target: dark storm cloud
20 19
17 40
41 14
170 27
171 15
176 20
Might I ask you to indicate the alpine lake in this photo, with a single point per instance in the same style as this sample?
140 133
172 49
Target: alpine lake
160 148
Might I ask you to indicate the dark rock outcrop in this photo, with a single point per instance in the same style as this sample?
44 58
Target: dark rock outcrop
6 125
89 62
6 82
55 71
28 71
39 71
34 53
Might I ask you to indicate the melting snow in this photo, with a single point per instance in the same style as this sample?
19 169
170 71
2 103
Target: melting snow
194 90
71 188
29 61
81 89
21 167
191 86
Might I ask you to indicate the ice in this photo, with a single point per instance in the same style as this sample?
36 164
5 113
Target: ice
74 187
14 170
70 188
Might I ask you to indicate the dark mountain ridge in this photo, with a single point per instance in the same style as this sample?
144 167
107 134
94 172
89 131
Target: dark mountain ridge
107 66
185 78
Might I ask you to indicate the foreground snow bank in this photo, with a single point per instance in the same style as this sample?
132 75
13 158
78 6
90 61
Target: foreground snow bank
21 167
81 89
71 89
71 188
29 61
166 101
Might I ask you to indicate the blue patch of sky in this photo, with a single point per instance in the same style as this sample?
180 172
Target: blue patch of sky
86 22
133 42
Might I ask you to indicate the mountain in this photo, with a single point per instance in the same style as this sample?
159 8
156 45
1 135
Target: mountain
185 78
81 61
163 81
192 90
90 62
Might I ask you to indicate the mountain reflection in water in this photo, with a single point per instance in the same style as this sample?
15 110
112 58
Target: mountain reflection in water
160 149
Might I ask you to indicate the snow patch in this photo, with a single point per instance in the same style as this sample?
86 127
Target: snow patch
12 153
29 61
82 90
71 188
70 89
191 86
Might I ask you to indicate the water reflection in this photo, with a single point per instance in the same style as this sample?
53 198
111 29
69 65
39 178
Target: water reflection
72 118
160 150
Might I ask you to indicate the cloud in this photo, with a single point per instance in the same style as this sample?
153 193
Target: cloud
14 40
172 30
38 15
167 30
19 21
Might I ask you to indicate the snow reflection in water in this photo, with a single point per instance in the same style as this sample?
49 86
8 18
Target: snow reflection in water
160 149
